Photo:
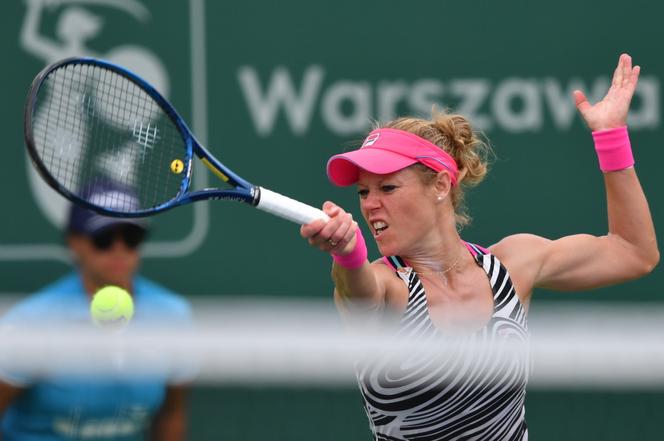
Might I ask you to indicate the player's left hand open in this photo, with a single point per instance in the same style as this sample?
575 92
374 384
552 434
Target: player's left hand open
611 111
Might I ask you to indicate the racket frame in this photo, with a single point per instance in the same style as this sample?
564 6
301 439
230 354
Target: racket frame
243 191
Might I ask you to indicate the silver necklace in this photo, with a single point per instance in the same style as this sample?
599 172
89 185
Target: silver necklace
445 271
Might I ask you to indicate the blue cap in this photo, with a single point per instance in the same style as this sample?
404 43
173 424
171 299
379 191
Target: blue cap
84 221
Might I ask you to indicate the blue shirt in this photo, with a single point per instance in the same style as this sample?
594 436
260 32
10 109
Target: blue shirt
56 409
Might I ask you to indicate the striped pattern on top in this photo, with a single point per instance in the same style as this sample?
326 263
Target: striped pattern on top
455 395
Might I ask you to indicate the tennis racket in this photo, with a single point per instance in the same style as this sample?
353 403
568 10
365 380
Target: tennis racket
91 124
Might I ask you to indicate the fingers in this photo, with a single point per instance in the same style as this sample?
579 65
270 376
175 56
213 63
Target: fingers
629 77
616 81
581 101
348 243
626 76
626 69
332 235
612 110
313 228
340 237
623 73
634 76
335 234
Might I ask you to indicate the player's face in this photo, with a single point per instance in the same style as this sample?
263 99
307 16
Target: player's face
111 257
399 209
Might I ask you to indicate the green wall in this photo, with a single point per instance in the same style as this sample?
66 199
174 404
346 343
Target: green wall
249 414
278 87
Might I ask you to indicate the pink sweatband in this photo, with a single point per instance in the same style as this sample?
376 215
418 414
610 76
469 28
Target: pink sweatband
614 150
355 258
386 151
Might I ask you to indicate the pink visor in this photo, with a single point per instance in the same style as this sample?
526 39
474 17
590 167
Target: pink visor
386 151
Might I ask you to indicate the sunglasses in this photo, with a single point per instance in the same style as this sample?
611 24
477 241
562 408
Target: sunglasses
131 235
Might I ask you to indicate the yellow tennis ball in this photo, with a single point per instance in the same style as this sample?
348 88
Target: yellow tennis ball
111 306
177 166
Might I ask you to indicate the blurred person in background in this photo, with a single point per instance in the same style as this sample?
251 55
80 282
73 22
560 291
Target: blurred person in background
106 252
410 176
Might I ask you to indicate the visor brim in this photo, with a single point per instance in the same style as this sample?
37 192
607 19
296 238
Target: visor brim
344 169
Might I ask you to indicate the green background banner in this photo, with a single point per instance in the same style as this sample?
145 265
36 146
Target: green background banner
275 88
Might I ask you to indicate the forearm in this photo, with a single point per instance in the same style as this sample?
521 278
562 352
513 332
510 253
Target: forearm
629 215
170 423
354 277
630 223
357 285
169 428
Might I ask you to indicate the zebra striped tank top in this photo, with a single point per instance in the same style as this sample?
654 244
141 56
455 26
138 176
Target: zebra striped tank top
403 405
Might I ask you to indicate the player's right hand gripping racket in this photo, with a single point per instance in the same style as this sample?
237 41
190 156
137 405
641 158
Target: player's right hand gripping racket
90 125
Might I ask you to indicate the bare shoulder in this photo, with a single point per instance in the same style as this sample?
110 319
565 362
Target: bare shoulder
379 265
522 254
522 244
385 274
396 291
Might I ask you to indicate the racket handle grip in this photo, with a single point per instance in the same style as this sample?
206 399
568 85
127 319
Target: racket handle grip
288 208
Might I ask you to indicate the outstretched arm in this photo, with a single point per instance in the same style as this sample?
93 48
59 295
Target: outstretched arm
629 250
355 279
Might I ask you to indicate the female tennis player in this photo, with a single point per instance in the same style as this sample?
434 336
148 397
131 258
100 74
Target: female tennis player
410 175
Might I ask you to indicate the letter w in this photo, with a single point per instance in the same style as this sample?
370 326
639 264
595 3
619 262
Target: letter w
264 107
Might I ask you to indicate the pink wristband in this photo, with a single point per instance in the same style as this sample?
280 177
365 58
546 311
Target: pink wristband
355 258
614 150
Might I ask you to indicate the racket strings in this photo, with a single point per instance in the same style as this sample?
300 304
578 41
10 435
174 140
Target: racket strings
138 111
54 129
95 128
